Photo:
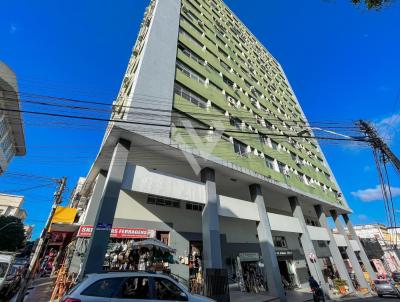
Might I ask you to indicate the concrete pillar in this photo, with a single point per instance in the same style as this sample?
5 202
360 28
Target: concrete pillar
94 201
272 274
210 222
106 209
335 252
363 255
306 242
350 252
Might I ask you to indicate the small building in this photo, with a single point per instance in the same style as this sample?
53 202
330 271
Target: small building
12 137
11 205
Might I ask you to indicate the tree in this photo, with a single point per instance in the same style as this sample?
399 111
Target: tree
12 233
372 4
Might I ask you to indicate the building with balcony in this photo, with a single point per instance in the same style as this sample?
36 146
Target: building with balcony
12 138
210 152
11 205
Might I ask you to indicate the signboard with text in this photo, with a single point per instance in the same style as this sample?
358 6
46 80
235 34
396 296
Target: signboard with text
116 232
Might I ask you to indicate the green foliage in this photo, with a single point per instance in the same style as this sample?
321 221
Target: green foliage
372 4
12 234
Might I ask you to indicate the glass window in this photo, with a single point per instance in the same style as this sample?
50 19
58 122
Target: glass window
166 290
240 148
135 288
234 121
3 269
190 96
191 54
280 241
274 145
103 288
270 162
190 72
281 167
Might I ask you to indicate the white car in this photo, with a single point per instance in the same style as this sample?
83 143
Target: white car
130 286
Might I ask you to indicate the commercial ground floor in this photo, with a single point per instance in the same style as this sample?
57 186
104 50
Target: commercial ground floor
178 222
221 220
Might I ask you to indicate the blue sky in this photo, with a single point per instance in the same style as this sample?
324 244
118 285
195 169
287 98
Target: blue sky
342 61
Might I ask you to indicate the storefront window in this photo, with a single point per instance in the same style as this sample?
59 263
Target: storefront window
280 241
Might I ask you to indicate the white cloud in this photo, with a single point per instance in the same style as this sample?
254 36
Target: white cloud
388 126
374 194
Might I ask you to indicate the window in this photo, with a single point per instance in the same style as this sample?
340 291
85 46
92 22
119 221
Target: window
269 162
280 241
274 145
264 139
191 54
194 206
190 72
234 121
190 37
190 96
281 167
164 202
103 288
167 290
228 81
239 148
226 66
135 288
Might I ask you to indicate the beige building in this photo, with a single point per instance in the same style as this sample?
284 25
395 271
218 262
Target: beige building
12 137
11 205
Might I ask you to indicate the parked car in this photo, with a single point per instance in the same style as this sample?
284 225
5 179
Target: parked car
385 287
6 263
130 286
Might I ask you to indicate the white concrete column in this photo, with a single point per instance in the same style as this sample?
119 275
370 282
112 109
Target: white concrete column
106 209
363 255
210 222
272 276
350 252
308 247
335 252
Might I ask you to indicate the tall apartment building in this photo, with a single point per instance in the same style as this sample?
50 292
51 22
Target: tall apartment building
12 138
210 147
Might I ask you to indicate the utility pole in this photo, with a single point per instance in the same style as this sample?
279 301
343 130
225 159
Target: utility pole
377 143
57 199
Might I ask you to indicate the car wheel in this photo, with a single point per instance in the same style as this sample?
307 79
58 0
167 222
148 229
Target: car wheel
380 296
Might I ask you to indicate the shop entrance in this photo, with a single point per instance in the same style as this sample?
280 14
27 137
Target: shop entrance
284 271
287 271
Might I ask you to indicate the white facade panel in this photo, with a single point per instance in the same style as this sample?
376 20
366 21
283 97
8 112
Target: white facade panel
142 180
236 208
355 245
317 233
340 240
284 223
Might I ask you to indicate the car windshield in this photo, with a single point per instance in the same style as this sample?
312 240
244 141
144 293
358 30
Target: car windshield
381 281
3 269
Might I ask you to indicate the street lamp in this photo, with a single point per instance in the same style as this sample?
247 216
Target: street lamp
10 223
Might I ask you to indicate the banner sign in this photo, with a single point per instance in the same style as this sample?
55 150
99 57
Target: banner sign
86 231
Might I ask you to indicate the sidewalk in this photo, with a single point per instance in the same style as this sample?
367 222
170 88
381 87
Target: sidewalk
40 290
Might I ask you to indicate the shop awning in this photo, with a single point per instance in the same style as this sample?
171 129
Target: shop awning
153 243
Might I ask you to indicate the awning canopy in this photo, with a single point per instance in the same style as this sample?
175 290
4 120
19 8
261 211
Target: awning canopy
153 243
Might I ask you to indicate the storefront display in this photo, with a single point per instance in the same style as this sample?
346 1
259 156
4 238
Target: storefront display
195 267
249 274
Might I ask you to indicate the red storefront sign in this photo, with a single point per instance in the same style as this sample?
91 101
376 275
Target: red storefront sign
86 231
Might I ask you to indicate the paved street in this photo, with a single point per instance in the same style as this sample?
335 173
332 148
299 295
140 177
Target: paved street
375 300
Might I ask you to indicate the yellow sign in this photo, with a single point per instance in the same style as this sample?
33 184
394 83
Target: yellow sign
64 215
